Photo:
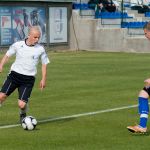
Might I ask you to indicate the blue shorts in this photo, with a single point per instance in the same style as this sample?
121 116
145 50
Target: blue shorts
23 83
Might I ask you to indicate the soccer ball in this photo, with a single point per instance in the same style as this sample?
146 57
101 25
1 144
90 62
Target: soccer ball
29 123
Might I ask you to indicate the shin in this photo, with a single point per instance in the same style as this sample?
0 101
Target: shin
23 106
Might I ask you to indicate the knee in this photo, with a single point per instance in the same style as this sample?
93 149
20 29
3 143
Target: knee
2 97
21 104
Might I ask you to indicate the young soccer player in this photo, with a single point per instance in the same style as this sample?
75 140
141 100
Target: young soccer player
143 98
23 70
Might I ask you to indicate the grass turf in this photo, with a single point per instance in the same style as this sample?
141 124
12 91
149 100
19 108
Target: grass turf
80 82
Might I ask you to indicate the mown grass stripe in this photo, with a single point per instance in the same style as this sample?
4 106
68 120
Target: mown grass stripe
74 116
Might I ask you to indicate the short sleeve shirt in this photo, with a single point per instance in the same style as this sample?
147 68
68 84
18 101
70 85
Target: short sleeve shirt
27 57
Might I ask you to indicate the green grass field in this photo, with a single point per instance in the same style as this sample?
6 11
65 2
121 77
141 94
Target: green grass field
78 83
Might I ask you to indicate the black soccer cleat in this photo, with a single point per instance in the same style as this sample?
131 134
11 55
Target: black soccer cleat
22 116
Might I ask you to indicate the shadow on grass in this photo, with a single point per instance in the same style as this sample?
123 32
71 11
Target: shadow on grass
141 134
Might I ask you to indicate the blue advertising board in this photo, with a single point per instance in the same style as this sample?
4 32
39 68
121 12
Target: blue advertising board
6 25
15 21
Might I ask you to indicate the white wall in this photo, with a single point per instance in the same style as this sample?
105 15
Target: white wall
86 35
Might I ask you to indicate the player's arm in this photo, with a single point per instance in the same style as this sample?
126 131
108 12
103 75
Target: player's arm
9 53
3 61
43 80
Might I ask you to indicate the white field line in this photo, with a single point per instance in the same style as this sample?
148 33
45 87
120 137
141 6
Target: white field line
74 116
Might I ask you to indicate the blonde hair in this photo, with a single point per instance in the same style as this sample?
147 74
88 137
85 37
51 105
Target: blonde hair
34 28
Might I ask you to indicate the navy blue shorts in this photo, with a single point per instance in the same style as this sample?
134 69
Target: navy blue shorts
23 83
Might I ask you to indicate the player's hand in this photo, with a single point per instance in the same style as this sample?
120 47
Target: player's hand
42 85
147 82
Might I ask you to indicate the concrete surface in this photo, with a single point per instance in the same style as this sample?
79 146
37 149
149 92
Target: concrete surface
89 34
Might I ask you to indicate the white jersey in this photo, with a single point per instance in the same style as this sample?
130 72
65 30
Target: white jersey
27 57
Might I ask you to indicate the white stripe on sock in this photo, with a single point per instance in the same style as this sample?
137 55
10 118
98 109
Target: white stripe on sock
144 116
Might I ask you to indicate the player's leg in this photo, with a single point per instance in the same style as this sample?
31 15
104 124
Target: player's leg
7 88
143 111
143 107
24 95
23 109
3 97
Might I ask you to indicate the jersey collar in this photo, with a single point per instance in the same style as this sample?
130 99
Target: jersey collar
27 44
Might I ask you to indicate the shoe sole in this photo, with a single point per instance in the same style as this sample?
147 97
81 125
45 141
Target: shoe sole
131 130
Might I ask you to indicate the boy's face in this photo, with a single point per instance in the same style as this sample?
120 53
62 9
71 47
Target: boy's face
147 33
34 37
